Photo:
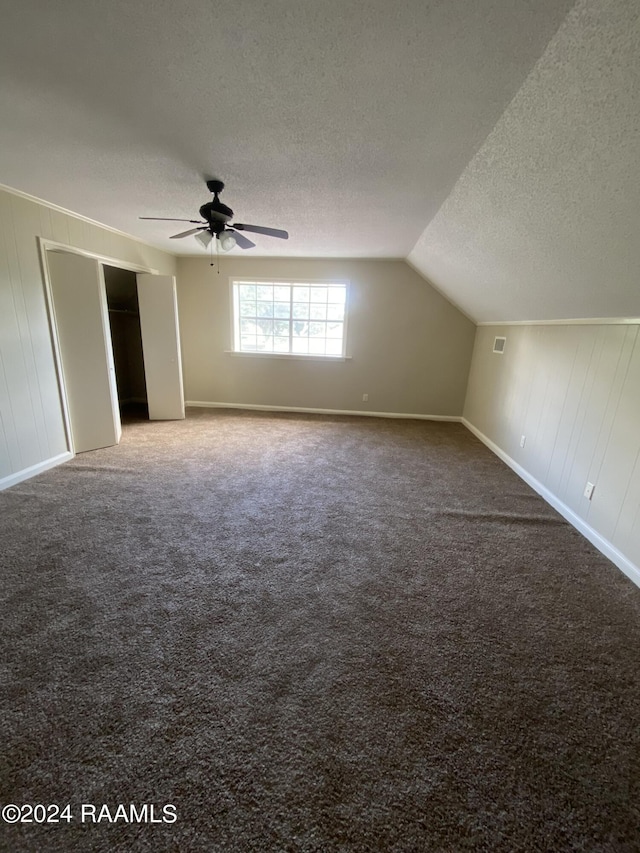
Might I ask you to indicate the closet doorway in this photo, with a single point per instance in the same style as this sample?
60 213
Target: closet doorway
117 344
126 341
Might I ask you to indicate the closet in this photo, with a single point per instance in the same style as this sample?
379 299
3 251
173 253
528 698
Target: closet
115 334
126 340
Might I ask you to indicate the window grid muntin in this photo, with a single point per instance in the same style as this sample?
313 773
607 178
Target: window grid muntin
328 326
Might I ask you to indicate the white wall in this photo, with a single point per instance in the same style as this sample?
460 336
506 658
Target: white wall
574 392
409 348
32 435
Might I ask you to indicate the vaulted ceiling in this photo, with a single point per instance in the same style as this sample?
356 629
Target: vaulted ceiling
494 144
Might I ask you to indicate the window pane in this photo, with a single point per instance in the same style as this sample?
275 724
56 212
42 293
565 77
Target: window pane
335 312
265 291
318 294
318 312
337 294
334 330
281 292
281 309
247 327
280 344
317 330
248 342
265 327
300 293
247 309
281 327
317 347
300 346
265 344
265 309
301 310
300 328
247 291
334 347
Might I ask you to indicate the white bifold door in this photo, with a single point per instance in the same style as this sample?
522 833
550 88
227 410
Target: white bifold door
161 346
84 343
81 324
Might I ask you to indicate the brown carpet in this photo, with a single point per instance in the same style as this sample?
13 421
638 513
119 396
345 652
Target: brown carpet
312 634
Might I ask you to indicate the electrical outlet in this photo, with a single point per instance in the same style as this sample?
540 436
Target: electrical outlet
588 491
523 438
365 398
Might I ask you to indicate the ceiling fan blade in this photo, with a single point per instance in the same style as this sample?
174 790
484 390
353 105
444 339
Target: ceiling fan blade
259 229
170 219
241 240
189 232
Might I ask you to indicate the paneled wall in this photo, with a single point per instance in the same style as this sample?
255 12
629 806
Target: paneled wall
32 435
573 392
409 348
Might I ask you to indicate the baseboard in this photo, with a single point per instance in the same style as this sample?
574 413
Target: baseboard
33 470
253 406
603 545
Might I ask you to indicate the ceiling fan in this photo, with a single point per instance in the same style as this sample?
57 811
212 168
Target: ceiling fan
216 224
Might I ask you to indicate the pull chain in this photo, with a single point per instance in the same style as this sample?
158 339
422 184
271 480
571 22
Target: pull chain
215 240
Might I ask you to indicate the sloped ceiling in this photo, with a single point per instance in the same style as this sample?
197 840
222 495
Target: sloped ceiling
544 223
494 144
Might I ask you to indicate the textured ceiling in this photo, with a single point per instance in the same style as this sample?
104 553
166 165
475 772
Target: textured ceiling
364 129
346 123
544 222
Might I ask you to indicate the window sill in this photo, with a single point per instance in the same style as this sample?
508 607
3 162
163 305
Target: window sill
288 355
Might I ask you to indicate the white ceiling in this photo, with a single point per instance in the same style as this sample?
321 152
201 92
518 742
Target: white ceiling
544 223
492 148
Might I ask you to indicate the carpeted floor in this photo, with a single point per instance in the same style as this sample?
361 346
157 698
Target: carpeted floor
312 634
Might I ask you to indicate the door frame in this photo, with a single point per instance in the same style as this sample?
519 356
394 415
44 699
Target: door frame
45 245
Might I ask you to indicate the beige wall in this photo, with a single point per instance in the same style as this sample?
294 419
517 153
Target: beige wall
574 392
32 432
410 349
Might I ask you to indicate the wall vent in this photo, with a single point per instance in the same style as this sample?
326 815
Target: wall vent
499 345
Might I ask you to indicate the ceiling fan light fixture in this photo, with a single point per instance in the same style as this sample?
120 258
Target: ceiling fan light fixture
204 237
227 241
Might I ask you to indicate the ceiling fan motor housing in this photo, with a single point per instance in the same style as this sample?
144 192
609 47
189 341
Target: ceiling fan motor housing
216 214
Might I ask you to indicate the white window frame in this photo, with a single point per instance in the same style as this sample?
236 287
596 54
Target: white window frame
235 316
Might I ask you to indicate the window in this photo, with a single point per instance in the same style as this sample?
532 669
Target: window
302 318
